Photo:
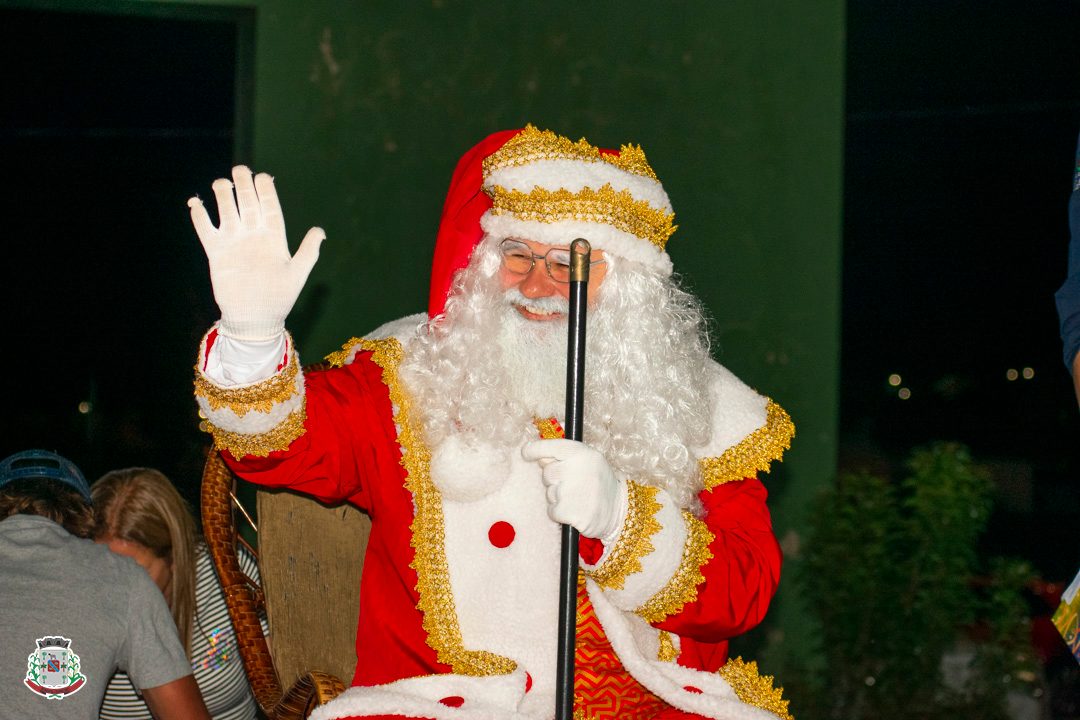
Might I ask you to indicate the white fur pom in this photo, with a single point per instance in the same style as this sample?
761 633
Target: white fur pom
464 472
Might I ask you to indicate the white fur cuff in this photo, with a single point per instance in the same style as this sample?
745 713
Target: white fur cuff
658 566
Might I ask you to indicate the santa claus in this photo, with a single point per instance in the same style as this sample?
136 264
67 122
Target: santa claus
445 428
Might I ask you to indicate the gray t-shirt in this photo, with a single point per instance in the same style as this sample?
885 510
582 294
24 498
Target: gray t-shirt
71 613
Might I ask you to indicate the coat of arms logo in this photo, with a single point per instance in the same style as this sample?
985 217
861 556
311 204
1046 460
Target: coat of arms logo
53 669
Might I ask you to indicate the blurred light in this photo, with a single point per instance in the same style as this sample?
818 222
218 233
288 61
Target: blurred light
1011 374
870 681
85 407
894 380
904 393
1028 373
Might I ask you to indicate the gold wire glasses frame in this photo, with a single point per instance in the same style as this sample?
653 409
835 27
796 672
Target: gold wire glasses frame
518 258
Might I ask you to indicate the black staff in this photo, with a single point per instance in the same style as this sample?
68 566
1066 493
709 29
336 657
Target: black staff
580 254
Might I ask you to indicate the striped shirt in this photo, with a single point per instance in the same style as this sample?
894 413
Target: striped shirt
215 658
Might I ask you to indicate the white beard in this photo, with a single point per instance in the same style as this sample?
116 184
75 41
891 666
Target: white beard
484 372
533 354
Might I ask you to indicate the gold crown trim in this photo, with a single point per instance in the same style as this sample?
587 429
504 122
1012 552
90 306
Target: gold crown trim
755 689
754 453
532 145
606 206
436 601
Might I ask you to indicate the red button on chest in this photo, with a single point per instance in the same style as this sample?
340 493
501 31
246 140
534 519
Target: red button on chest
501 534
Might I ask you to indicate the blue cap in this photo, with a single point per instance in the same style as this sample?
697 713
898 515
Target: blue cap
42 464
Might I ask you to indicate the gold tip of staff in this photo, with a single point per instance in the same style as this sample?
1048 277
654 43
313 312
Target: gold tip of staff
580 255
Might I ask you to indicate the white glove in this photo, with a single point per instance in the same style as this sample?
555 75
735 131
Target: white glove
255 279
582 491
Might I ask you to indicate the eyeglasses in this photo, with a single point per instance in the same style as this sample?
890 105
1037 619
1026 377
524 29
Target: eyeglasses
518 258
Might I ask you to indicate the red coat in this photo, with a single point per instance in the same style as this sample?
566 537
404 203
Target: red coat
352 450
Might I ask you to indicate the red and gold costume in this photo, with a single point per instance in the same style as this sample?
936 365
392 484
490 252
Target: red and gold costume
458 598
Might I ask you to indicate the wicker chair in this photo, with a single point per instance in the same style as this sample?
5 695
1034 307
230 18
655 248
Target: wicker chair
309 590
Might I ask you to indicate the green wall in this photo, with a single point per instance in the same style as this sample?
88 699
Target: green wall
361 109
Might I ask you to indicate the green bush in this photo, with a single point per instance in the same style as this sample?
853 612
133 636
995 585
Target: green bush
892 575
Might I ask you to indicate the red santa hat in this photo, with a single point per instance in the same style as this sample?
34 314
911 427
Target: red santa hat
537 185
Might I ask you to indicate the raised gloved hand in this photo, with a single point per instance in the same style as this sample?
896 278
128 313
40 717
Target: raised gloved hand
256 281
582 491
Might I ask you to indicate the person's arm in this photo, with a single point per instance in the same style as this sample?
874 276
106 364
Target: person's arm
1076 376
176 700
1067 296
151 652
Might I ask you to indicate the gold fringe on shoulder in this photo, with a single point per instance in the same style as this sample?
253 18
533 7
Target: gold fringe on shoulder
345 355
754 453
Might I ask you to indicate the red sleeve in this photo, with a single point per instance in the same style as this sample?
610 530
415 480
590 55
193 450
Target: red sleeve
742 575
348 435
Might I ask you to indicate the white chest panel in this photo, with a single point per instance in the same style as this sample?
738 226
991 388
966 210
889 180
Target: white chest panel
507 597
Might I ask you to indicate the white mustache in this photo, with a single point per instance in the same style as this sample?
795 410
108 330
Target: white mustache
549 304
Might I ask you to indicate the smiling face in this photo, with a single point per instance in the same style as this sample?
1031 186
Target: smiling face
538 285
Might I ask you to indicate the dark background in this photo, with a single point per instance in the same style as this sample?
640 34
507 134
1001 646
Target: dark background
962 122
103 138
962 119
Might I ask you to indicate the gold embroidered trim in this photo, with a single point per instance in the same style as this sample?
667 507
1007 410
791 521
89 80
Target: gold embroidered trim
754 453
344 356
668 652
607 206
260 397
682 588
531 145
755 689
279 438
635 540
436 602
549 428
